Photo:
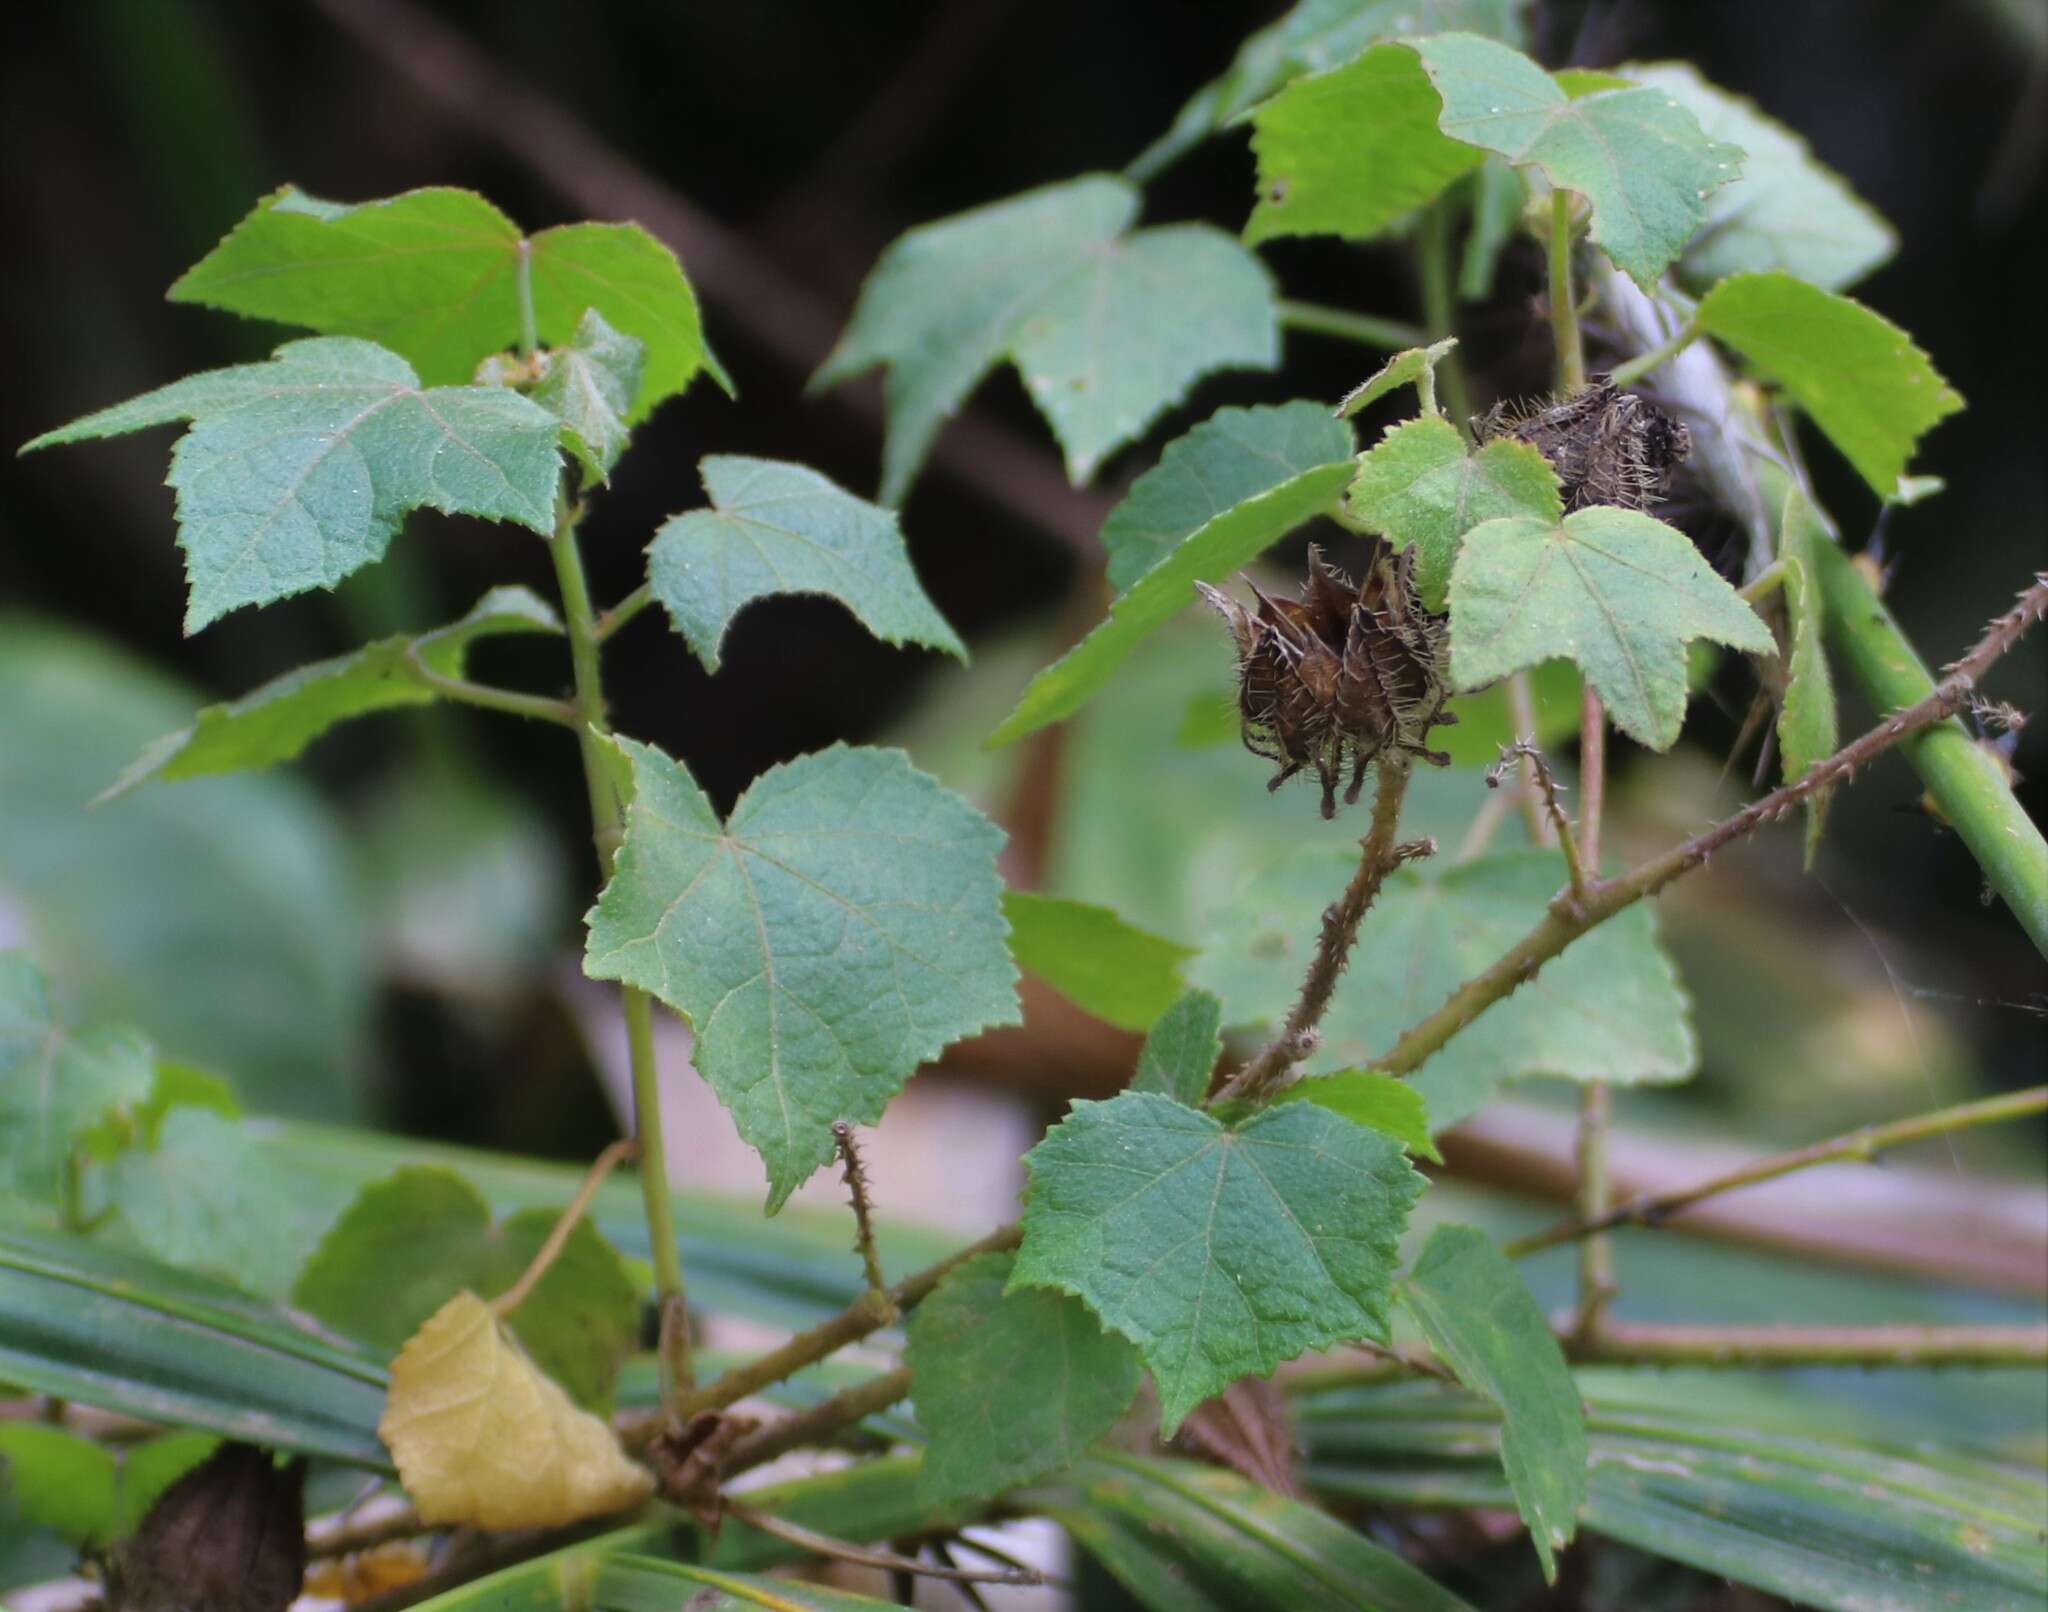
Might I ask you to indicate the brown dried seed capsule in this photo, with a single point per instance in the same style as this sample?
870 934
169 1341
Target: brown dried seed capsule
1342 676
1606 445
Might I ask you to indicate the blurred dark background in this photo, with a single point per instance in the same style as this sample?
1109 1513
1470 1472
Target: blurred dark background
787 143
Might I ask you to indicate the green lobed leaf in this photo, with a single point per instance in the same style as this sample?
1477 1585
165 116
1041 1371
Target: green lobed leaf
1787 210
1122 974
589 386
1856 373
55 1084
1637 155
1010 1385
1808 731
1617 592
204 1195
1235 454
1610 1007
413 1240
1412 366
1220 1252
276 722
1477 1312
781 528
172 1086
89 1322
433 275
1421 487
297 472
842 926
1209 554
1352 151
1379 1102
1181 1049
60 1481
1107 326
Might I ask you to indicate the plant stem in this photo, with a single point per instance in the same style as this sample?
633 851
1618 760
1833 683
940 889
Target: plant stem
821 1422
565 1225
607 824
1522 712
1967 782
1766 582
529 333
624 611
1564 310
1596 1100
1378 856
1644 364
1546 782
1645 1344
1369 330
1566 920
510 701
1439 310
1653 1208
863 1210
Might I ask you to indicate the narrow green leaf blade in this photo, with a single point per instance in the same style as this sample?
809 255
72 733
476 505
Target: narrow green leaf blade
1213 551
1859 375
840 927
1421 488
651 1584
1219 1252
589 386
276 722
1610 1007
1235 454
55 1085
1350 152
1477 1313
1180 1051
776 528
86 1322
1379 1102
1010 1385
1636 154
1616 591
1808 730
1104 966
1107 327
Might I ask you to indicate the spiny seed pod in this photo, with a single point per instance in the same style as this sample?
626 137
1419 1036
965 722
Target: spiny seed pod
1606 445
1342 677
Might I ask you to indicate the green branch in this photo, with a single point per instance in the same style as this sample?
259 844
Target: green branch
1564 310
1389 335
1656 358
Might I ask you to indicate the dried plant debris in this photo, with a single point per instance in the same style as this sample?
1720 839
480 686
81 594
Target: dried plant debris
1343 677
1606 445
230 1536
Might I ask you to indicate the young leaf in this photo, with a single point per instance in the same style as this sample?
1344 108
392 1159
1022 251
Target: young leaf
276 722
1477 1313
1219 1252
1866 385
1376 1101
1787 210
297 472
781 528
413 1240
205 1196
1808 732
1010 1385
1104 966
1420 487
434 276
1209 554
1637 155
55 1085
1353 151
843 925
1235 454
1107 326
1614 590
483 1439
1180 1051
1609 1008
590 386
1406 368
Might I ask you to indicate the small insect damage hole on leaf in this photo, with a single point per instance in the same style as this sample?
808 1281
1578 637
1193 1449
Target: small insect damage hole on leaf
1606 445
1341 678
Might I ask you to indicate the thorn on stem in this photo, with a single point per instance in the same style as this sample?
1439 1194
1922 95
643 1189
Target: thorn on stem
863 1210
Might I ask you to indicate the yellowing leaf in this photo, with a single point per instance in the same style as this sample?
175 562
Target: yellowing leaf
482 1438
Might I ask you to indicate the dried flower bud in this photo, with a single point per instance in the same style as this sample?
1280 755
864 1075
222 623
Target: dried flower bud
1340 678
1606 445
229 1536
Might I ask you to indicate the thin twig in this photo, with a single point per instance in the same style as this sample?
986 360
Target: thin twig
1522 712
820 1423
863 1210
1546 782
624 611
1645 364
1369 330
868 1556
1597 1285
1378 857
509 701
1562 925
1623 1343
565 1225
1653 1208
